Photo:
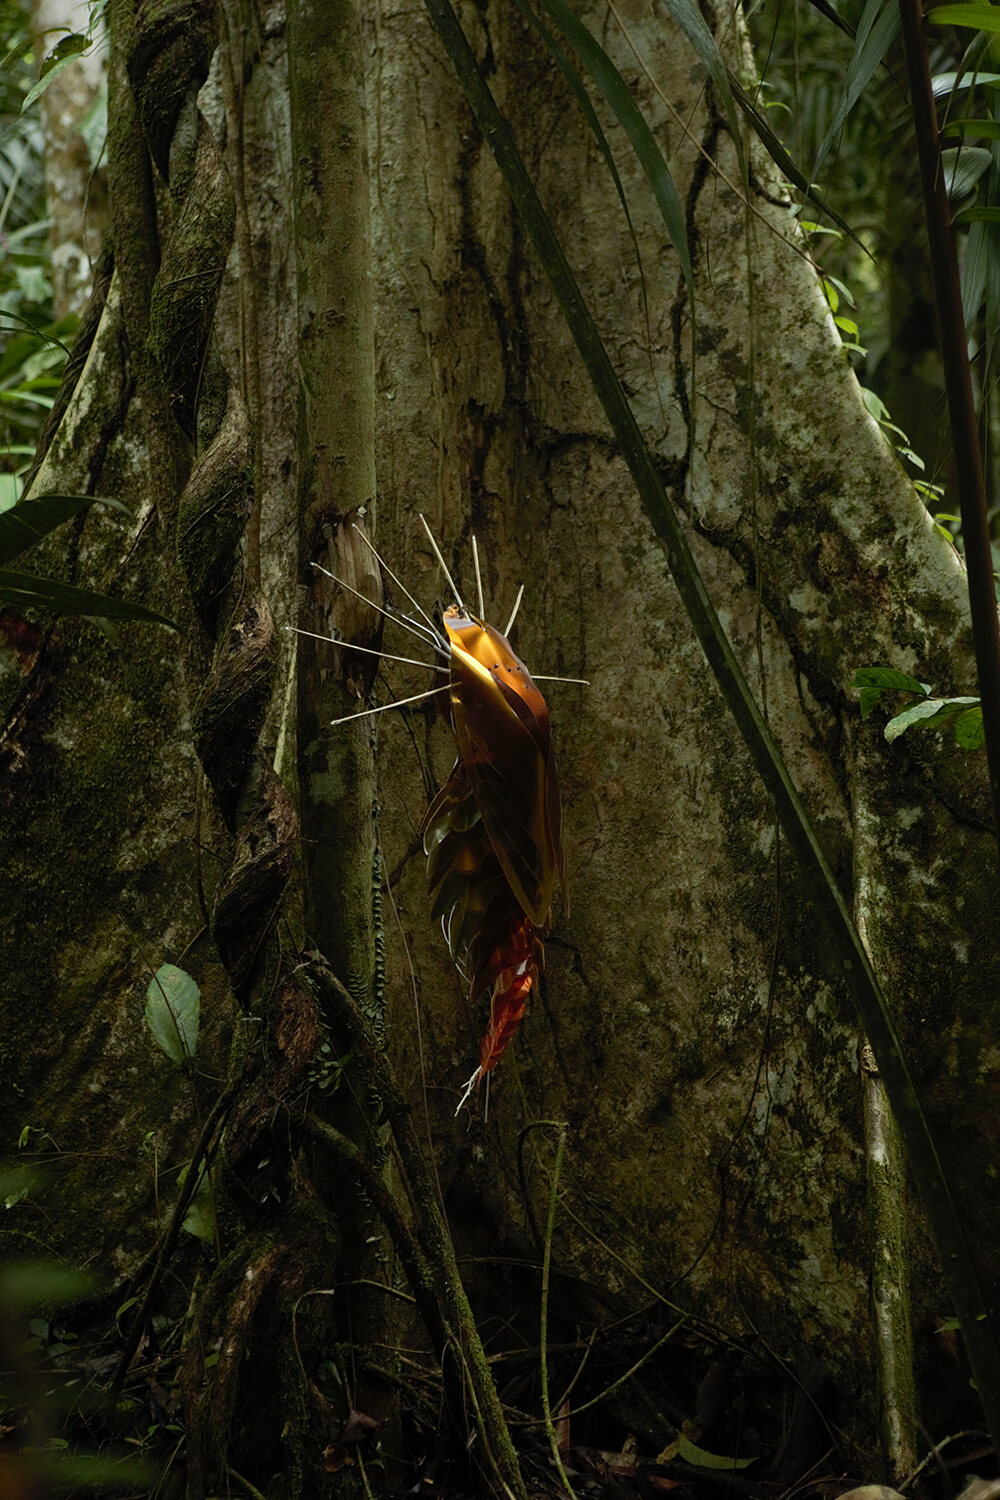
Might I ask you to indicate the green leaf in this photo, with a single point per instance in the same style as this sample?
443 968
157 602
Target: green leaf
930 711
969 731
987 130
963 166
978 214
694 26
692 1454
889 677
26 591
11 486
199 1219
844 291
981 17
173 1004
619 97
874 681
58 60
784 162
26 523
877 30
949 83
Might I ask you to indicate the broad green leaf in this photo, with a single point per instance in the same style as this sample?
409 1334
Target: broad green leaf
980 247
877 30
874 681
982 17
199 1219
845 291
26 523
25 591
58 60
173 1005
11 486
784 162
947 83
889 677
929 711
987 130
619 97
963 166
692 1454
876 406
969 731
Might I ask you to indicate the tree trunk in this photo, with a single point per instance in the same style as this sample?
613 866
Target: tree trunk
323 309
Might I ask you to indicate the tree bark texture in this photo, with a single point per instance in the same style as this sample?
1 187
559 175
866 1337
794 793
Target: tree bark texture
323 309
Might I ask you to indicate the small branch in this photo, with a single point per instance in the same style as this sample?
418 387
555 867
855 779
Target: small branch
431 1233
890 1275
201 1150
958 383
418 1272
543 1332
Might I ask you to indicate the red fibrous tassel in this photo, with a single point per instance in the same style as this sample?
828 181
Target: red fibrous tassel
492 833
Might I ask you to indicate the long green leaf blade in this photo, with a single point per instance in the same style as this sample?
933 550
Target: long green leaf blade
25 523
877 31
694 26
583 99
982 17
24 591
619 97
786 165
855 967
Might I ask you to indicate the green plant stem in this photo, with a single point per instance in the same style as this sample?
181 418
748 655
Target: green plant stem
958 384
855 969
216 1116
543 1331
453 1314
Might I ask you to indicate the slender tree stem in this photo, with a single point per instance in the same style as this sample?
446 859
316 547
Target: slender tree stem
543 1334
958 382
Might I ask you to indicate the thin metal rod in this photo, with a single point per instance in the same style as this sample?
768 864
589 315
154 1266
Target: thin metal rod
479 578
542 677
408 661
384 708
958 384
398 582
444 566
407 624
513 613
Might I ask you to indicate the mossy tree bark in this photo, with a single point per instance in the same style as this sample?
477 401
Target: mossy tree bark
186 801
